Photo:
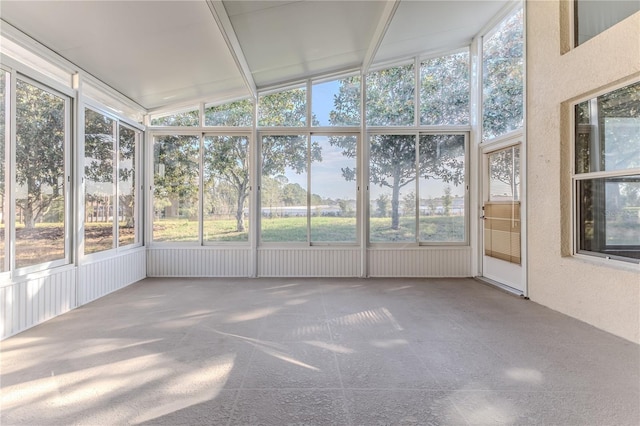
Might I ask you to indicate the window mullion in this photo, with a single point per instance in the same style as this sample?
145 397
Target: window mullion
309 189
417 189
116 183
201 191
12 171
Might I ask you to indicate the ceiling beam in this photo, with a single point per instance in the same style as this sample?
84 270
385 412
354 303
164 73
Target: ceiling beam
385 20
226 28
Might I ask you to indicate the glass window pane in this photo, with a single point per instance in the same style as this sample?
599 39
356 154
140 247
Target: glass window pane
392 175
333 189
444 90
187 118
226 188
619 123
283 188
40 175
99 141
502 82
127 193
390 97
175 191
234 114
286 109
593 16
609 220
442 189
3 168
504 175
608 131
583 137
337 102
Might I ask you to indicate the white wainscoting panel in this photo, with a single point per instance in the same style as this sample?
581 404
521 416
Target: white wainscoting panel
101 277
199 262
30 300
420 262
309 262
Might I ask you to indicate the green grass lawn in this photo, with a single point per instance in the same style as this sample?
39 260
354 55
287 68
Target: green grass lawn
323 229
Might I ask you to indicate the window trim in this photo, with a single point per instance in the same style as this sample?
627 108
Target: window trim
417 243
239 244
576 178
309 133
97 107
69 103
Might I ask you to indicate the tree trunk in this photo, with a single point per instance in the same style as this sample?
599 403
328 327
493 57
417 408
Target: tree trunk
395 203
240 212
29 217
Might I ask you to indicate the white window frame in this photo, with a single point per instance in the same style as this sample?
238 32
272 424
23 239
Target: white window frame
309 133
577 177
67 95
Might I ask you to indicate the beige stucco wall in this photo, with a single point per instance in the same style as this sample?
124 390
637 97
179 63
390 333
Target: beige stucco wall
603 293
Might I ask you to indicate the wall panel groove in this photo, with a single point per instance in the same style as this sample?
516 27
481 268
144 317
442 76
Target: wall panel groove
198 262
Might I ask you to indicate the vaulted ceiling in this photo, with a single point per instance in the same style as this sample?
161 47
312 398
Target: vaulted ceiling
161 53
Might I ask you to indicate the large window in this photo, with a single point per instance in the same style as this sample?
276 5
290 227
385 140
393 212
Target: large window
180 119
110 204
128 209
444 90
336 102
308 188
607 174
226 188
390 97
176 176
234 114
41 200
99 169
283 109
283 188
502 77
333 189
201 188
417 188
392 171
442 188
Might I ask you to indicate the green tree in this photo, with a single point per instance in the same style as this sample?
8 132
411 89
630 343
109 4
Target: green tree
227 158
99 141
294 195
505 167
40 137
444 90
409 204
503 83
447 200
181 119
382 203
126 174
176 174
393 157
234 114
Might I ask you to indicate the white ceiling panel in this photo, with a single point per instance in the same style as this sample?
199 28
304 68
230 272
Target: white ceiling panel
428 25
151 51
291 40
164 53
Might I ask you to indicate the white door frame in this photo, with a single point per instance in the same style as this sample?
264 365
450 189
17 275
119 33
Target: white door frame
512 139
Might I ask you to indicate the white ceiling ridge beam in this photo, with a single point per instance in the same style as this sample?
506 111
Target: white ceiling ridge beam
383 25
226 28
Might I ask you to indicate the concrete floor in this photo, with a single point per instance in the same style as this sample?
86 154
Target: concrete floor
317 351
